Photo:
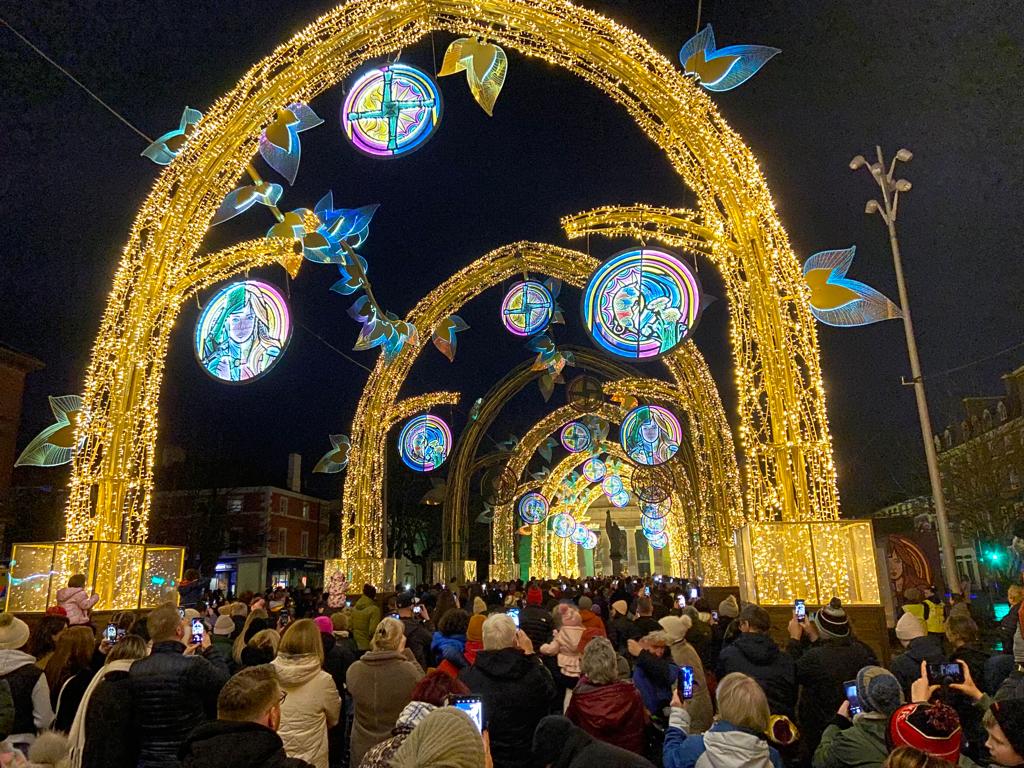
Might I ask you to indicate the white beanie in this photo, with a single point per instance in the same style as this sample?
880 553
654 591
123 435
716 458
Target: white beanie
909 627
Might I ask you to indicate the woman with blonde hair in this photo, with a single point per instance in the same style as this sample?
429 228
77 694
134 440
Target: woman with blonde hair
261 619
908 757
381 684
311 704
261 649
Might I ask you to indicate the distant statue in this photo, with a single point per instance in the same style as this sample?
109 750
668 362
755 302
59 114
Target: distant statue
616 543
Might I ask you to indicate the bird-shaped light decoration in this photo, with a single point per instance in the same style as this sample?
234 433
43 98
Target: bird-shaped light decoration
836 300
444 335
335 459
55 445
721 69
167 147
245 197
279 142
485 65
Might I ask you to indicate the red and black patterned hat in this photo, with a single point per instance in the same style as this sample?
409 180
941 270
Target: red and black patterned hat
932 728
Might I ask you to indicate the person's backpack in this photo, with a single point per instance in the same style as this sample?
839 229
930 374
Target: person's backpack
6 710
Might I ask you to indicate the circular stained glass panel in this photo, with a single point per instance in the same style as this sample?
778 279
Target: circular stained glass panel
563 524
424 442
650 483
591 542
652 525
620 498
580 535
641 303
527 308
656 511
612 484
593 470
391 110
650 434
242 331
575 437
533 508
658 540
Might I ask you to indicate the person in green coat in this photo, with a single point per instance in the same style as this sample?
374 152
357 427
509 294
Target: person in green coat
859 741
365 617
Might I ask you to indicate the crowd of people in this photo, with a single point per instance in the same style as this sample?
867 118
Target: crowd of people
570 673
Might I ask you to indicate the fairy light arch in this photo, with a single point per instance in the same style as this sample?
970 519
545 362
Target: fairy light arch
783 423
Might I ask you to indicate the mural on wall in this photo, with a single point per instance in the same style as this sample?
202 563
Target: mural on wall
908 564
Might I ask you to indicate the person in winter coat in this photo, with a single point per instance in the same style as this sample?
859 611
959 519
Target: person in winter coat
261 648
102 734
534 620
700 707
565 645
474 638
447 738
75 601
912 632
190 589
312 704
220 639
257 620
590 619
859 741
381 684
43 639
736 740
419 630
607 708
516 688
754 653
826 655
560 744
173 690
69 673
448 645
244 735
1009 624
32 709
962 634
620 629
654 673
365 617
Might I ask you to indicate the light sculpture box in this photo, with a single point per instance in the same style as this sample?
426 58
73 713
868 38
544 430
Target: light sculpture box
125 576
814 561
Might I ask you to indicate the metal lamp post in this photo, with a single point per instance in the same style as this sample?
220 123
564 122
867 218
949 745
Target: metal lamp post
887 210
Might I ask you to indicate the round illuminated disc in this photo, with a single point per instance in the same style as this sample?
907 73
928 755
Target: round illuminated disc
424 442
658 540
581 535
242 331
612 484
620 498
652 525
527 308
584 391
591 542
593 470
575 437
650 434
563 524
391 110
641 303
533 508
650 483
656 511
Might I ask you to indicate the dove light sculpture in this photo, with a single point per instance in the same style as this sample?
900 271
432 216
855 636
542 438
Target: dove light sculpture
55 445
335 459
722 69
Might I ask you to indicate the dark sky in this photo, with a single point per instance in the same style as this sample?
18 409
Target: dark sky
942 78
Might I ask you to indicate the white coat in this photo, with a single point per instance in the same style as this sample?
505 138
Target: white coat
311 707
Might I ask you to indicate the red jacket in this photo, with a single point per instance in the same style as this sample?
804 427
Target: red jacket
612 713
592 621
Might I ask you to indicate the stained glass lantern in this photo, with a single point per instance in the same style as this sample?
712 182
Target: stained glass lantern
575 437
611 485
424 442
652 525
656 511
527 308
563 524
658 540
620 498
650 434
391 110
594 469
533 508
581 535
591 542
650 484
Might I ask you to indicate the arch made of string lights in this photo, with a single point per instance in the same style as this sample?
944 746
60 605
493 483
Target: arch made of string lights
783 422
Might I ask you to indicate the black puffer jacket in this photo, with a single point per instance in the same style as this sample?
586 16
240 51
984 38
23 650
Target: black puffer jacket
537 625
517 691
560 744
759 657
417 639
173 694
620 631
907 666
111 741
224 744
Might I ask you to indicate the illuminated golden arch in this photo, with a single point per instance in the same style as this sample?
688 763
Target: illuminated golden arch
783 424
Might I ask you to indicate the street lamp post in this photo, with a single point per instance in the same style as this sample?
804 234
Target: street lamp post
887 210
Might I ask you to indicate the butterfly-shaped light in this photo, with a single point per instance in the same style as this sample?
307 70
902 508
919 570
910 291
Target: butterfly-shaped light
722 69
279 142
55 445
335 459
167 147
485 65
836 300
444 335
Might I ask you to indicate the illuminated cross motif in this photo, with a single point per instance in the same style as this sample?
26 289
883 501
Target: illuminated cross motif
575 437
527 308
391 110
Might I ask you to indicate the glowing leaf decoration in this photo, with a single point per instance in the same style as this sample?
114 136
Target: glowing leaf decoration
626 401
335 459
836 300
279 142
244 198
351 225
167 147
444 337
545 449
474 412
55 445
353 277
485 65
722 69
508 445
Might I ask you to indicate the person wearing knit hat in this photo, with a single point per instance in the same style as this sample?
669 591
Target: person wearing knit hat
565 646
474 637
446 738
620 607
619 628
479 606
931 728
700 707
590 619
729 608
861 742
1004 722
912 632
832 621
32 708
220 638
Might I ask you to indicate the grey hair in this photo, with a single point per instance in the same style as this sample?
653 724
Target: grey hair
499 631
741 702
599 662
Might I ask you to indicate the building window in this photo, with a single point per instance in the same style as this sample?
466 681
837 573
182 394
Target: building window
1014 479
305 510
304 544
235 540
986 419
1001 411
234 505
282 541
282 505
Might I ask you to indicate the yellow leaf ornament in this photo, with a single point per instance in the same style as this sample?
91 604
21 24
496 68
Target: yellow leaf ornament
485 65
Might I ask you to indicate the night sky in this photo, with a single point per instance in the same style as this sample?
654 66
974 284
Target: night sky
942 78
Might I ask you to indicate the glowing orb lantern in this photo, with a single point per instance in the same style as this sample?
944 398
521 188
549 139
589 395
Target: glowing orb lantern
563 524
581 535
612 484
575 437
620 498
533 508
424 442
658 540
591 542
242 332
650 434
641 303
653 525
527 308
391 110
593 470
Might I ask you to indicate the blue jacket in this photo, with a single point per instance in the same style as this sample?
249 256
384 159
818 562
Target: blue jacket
449 649
723 746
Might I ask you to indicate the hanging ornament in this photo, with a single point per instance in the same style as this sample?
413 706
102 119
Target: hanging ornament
839 301
656 511
391 110
594 469
620 498
650 434
584 392
722 69
527 308
444 336
533 508
651 484
563 524
169 146
485 65
424 442
653 525
279 142
612 484
55 445
657 540
575 437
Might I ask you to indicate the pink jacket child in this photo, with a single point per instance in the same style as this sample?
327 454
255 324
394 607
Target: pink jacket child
76 601
565 643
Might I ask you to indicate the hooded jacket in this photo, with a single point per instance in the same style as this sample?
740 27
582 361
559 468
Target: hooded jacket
380 684
560 744
565 645
907 666
591 620
701 707
311 707
857 745
536 624
723 746
613 713
32 709
450 649
226 744
76 602
517 691
758 656
365 618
